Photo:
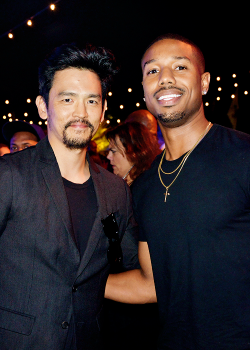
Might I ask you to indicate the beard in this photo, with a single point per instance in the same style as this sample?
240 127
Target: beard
78 141
172 120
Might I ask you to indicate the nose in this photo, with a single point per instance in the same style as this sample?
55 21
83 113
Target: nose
80 110
166 77
109 156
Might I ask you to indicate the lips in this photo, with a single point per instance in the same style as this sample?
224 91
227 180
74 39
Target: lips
169 97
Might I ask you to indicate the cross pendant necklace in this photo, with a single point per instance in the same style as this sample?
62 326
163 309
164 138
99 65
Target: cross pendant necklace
166 194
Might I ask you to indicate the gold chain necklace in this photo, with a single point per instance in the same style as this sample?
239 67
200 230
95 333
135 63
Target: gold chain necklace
180 166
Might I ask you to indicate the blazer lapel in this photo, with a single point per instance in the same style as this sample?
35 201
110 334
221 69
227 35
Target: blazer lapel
97 229
53 179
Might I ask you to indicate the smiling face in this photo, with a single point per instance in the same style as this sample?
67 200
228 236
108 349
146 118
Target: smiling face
75 107
173 82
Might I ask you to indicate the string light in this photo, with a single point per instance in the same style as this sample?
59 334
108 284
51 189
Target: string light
234 75
10 120
246 92
218 98
31 122
40 123
118 121
25 114
232 96
206 104
137 104
28 100
108 121
218 78
219 88
235 85
9 115
4 117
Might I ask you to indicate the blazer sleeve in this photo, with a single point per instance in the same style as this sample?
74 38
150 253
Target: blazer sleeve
5 193
129 243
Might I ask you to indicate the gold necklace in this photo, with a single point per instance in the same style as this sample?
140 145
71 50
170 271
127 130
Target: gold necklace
180 166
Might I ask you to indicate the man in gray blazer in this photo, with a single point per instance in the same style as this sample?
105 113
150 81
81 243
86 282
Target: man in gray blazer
60 214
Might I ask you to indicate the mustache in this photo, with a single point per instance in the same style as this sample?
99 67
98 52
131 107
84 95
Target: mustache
170 87
80 120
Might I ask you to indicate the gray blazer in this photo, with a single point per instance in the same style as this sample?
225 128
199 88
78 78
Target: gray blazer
43 283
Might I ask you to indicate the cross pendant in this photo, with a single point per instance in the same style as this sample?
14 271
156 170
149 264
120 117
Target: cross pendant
166 194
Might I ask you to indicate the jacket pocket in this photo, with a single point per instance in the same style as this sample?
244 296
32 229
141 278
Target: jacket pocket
16 321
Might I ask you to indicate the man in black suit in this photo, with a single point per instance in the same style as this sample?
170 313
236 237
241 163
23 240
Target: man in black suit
60 214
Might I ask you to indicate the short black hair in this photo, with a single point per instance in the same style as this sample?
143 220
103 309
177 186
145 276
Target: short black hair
96 59
199 54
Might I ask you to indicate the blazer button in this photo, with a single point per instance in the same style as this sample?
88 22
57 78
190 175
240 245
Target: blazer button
74 289
65 325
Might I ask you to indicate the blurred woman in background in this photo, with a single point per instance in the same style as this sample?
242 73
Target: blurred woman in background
132 148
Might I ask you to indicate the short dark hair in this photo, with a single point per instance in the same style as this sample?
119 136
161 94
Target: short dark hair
198 53
141 146
96 59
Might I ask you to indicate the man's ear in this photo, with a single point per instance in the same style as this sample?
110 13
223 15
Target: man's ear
103 111
42 108
205 81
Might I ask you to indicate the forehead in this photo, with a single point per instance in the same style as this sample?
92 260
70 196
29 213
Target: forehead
77 77
22 136
168 49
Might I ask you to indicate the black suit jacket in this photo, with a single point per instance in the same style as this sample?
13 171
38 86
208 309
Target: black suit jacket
43 283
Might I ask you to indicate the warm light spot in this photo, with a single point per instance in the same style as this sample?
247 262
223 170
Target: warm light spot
31 122
10 120
137 104
129 90
26 114
28 100
110 93
52 7
235 85
246 92
121 106
7 102
218 98
10 35
234 75
206 104
29 22
108 121
232 96
218 78
40 123
118 121
4 117
9 115
219 88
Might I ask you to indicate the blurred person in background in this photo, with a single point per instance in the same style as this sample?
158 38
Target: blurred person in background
21 135
132 149
4 149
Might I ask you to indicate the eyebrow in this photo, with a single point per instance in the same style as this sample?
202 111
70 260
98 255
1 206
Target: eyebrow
69 93
178 58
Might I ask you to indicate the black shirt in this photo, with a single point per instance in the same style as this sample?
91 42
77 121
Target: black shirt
83 208
199 243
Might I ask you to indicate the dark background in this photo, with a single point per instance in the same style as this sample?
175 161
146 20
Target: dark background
220 29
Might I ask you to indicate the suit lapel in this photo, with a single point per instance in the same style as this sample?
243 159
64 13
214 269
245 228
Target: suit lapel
54 182
97 229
